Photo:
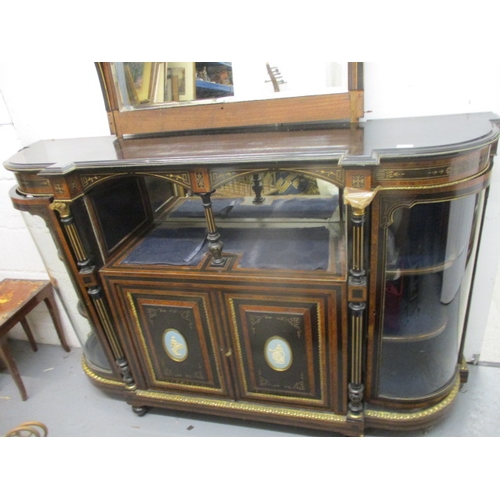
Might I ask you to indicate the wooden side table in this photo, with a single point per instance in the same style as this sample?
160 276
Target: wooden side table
18 298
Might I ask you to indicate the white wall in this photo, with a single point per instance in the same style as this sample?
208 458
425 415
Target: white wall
48 100
432 88
42 100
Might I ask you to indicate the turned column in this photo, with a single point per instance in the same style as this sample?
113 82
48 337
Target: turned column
201 186
215 244
358 199
257 188
89 277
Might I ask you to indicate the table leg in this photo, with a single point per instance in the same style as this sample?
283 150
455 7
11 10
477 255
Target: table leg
29 334
12 367
51 306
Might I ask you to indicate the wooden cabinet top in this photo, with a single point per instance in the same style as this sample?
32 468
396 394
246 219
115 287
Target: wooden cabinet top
365 143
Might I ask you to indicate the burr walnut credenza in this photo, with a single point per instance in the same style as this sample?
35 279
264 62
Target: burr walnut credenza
312 275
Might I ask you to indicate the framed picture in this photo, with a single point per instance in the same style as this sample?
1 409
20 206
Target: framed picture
137 76
144 82
180 83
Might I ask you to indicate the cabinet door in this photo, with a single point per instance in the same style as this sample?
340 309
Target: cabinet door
288 347
430 255
174 335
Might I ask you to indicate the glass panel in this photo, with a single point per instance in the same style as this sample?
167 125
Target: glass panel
93 350
271 220
430 254
152 84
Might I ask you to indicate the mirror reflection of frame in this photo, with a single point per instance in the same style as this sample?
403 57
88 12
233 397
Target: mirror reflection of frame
156 97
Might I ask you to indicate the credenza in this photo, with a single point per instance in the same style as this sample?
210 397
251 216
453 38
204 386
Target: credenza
313 275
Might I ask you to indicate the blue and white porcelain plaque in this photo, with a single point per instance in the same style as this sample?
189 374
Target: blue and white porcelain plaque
175 345
278 354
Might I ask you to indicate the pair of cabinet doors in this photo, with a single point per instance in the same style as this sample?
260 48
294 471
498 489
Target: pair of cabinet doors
273 344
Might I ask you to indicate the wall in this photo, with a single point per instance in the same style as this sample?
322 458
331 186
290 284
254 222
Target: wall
66 101
43 100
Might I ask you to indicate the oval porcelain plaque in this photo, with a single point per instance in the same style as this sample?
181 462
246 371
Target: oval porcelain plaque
278 354
175 345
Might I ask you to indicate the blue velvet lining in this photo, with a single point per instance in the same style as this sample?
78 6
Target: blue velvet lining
297 248
297 207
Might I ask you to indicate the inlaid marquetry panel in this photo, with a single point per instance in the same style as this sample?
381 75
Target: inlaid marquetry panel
433 171
282 348
176 340
31 183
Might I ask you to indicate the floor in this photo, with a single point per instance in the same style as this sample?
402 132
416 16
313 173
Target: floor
61 396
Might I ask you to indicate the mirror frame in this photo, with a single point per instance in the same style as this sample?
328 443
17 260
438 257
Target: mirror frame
346 106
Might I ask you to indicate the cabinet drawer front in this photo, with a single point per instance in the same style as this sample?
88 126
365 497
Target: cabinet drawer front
284 350
175 338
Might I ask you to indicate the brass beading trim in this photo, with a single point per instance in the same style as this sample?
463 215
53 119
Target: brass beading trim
391 416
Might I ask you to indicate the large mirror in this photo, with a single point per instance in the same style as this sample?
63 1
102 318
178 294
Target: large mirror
144 98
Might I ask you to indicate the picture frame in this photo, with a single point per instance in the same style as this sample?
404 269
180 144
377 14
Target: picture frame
180 81
138 76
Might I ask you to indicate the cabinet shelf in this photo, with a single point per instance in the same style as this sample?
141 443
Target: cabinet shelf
284 208
422 270
420 247
419 315
420 359
211 89
271 246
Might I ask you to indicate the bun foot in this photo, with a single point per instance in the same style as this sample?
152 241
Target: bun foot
140 410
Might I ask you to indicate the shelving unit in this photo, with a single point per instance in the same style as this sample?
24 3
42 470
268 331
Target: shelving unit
214 85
